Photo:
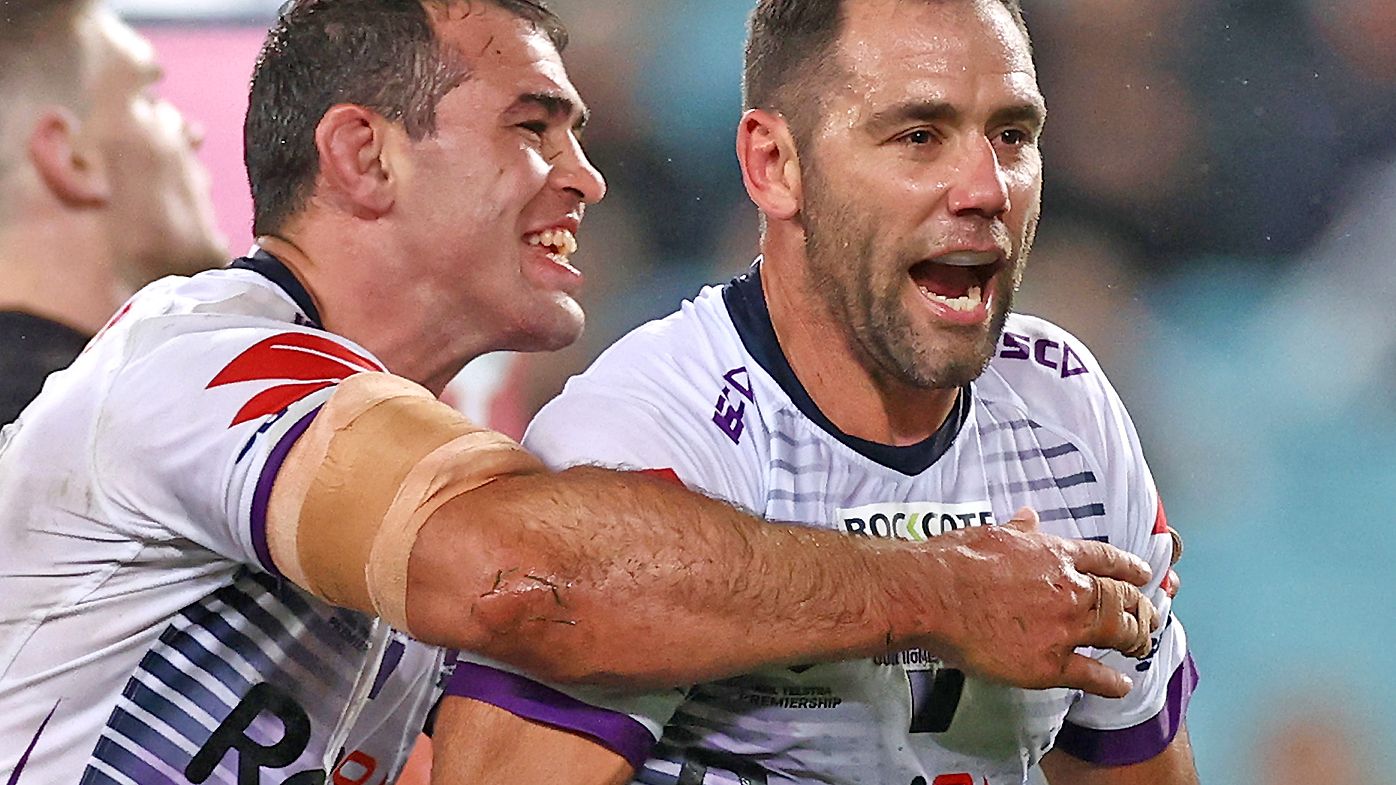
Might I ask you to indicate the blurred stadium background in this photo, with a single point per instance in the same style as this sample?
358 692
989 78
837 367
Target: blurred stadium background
1220 226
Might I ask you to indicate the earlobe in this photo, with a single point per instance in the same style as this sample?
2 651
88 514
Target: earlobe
770 165
352 143
73 175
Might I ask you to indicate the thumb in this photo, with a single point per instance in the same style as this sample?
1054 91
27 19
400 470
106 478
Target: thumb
1024 520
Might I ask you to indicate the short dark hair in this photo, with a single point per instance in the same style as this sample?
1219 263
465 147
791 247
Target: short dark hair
383 55
789 41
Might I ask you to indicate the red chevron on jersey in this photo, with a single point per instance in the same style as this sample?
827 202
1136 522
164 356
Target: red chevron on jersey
312 361
665 474
1161 520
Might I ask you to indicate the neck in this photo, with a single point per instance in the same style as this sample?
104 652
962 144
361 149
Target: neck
860 399
395 323
61 269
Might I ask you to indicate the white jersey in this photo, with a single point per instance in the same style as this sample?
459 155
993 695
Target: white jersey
707 397
145 635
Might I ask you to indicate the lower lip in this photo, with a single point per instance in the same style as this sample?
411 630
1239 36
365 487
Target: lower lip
550 272
976 315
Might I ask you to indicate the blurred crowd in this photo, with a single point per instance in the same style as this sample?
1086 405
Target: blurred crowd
1218 222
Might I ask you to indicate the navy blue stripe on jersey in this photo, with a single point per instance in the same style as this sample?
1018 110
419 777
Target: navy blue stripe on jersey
130 764
1074 513
205 660
180 683
1141 742
212 661
249 608
171 714
148 739
274 270
1080 478
94 777
746 304
523 697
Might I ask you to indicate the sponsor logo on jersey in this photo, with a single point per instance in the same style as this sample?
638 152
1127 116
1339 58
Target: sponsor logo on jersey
915 521
792 697
730 412
307 363
1053 355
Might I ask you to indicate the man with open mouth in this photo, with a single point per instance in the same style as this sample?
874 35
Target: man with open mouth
868 375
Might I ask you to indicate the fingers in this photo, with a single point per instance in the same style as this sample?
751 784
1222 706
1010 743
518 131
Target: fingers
1172 583
1024 520
1084 673
1107 561
1122 619
1177 544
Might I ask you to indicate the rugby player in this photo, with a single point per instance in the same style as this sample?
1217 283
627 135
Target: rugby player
867 375
100 190
226 527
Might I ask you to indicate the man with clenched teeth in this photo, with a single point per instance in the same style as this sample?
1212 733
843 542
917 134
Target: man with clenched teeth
236 531
867 376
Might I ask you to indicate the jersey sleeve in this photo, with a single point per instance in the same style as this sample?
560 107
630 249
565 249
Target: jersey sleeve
613 417
1141 725
193 431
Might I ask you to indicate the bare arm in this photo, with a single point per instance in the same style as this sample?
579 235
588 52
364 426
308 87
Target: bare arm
479 744
612 578
1173 766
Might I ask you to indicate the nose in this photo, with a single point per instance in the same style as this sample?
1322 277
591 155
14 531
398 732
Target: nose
979 186
193 131
575 173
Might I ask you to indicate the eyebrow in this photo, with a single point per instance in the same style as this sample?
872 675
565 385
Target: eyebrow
557 106
941 111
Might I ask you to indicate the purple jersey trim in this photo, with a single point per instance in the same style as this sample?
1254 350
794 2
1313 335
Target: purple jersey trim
528 699
24 759
1141 742
262 495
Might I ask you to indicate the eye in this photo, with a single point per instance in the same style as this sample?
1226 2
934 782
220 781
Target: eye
920 136
1015 137
536 127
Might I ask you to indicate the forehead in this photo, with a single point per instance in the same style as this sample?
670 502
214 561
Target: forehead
119 50
501 50
914 46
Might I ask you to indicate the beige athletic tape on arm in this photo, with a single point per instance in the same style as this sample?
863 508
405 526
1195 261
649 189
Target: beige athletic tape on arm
454 469
345 473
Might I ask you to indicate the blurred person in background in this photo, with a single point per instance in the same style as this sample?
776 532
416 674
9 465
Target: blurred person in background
100 189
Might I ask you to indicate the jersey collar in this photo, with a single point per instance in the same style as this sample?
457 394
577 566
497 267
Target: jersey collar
746 304
276 271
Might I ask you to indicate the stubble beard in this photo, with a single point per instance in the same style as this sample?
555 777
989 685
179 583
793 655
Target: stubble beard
863 293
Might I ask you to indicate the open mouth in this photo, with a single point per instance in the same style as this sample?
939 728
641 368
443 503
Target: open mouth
959 283
559 244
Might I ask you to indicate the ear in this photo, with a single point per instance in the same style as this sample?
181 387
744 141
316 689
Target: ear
770 164
72 172
351 141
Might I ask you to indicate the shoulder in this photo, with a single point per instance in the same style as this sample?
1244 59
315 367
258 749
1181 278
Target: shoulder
672 394
1050 374
677 352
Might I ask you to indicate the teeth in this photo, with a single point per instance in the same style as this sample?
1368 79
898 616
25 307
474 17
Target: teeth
967 303
561 241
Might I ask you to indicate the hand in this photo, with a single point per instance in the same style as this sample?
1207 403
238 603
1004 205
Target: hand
1019 602
1171 582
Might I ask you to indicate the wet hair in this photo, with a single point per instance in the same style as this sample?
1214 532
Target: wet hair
788 46
383 55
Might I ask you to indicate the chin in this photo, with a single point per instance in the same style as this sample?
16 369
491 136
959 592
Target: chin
559 330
